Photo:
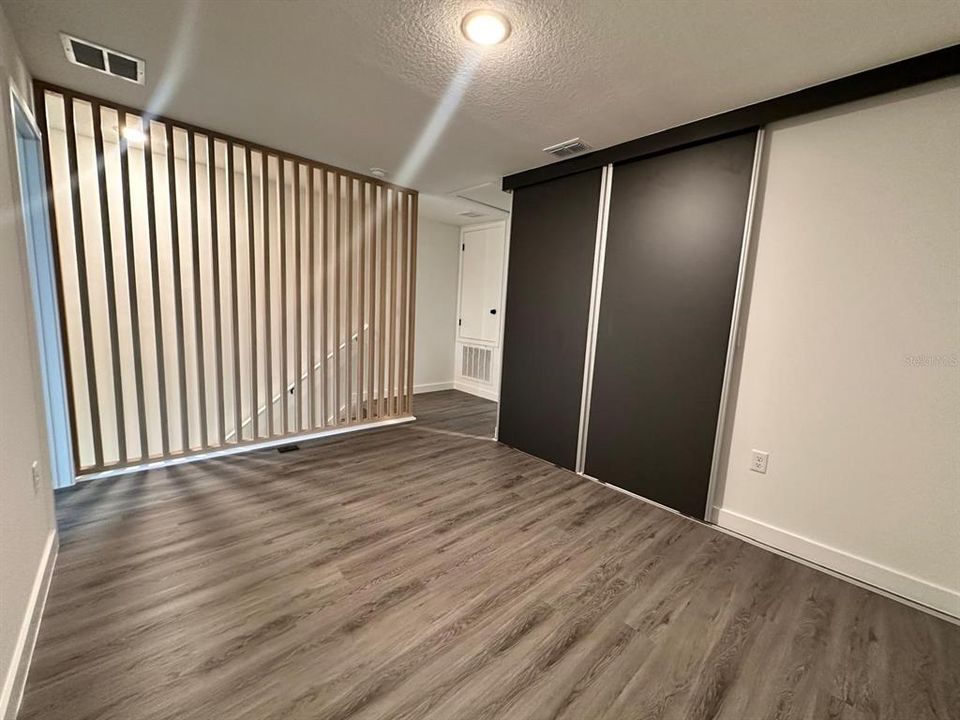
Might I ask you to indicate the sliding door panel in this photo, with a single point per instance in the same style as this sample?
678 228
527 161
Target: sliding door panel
672 259
552 240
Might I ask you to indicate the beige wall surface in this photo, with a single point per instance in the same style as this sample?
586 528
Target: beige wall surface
437 267
850 372
26 517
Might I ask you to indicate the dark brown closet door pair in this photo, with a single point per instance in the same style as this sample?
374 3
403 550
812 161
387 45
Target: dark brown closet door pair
672 257
672 260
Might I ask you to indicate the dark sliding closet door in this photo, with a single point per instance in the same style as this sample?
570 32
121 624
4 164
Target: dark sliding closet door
672 258
552 238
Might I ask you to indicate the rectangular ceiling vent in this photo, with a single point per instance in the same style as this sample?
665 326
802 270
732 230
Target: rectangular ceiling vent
102 59
470 214
568 148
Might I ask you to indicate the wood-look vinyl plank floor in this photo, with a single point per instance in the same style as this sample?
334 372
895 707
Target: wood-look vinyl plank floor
406 573
456 411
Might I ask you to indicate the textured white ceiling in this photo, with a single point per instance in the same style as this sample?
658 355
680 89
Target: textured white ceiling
355 83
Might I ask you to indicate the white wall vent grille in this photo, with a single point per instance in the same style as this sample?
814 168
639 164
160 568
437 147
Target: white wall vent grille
476 362
568 148
102 59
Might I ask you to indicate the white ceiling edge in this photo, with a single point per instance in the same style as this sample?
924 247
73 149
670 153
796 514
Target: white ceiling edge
447 209
357 84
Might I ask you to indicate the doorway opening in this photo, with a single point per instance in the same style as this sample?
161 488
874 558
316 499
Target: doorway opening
40 259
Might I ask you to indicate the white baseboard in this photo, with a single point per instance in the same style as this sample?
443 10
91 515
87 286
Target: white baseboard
251 447
16 680
432 387
886 579
478 390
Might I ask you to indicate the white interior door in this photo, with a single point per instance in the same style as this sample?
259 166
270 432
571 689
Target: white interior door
481 282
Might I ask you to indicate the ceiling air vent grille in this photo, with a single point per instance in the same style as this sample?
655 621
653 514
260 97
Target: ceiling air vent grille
567 148
102 59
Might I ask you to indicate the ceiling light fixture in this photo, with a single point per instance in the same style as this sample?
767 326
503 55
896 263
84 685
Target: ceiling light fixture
485 27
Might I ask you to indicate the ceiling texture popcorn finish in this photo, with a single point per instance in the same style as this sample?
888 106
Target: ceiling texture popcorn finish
358 84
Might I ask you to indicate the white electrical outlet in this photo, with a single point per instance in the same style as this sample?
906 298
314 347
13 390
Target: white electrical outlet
758 461
35 472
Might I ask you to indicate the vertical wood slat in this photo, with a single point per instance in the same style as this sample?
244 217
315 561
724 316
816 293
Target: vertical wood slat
234 294
268 291
215 269
361 284
402 340
197 293
391 384
348 348
324 314
336 298
110 277
55 240
82 282
371 221
177 288
353 275
282 220
252 263
412 304
134 298
298 288
155 288
382 209
312 300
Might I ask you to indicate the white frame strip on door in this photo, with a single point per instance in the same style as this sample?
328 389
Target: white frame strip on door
48 327
710 511
596 290
508 224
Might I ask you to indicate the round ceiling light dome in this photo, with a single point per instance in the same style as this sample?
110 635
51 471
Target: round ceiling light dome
485 27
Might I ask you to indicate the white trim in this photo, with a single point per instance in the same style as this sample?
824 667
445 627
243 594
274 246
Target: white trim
487 225
239 449
726 402
837 563
881 578
16 679
432 387
483 391
508 225
25 109
56 416
596 290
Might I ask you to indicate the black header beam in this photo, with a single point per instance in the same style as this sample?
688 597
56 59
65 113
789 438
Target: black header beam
887 78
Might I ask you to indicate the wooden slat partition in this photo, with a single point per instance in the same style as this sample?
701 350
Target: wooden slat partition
313 261
106 239
234 294
254 396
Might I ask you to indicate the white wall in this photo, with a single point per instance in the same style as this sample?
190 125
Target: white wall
849 375
27 528
437 269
